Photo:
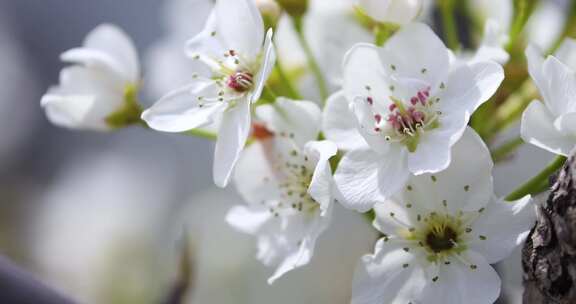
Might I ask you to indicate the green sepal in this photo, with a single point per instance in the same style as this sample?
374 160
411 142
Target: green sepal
129 113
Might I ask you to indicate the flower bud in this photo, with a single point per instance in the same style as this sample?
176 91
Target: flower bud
270 11
391 11
295 8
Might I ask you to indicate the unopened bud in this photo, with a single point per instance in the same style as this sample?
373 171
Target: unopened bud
398 12
270 11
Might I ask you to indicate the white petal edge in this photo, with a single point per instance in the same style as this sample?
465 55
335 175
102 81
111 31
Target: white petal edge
179 110
504 225
232 136
364 177
298 117
538 129
240 25
247 220
339 124
266 66
320 188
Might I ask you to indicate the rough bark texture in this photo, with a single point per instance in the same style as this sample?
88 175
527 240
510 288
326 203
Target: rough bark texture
549 255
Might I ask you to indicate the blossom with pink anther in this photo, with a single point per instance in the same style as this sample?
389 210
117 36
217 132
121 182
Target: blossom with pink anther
411 101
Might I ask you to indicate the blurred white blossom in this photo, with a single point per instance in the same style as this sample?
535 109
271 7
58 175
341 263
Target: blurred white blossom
391 11
551 124
100 87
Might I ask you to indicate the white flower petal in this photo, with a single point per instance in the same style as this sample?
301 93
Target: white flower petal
535 60
248 220
207 46
366 125
457 283
432 154
538 129
504 225
562 86
113 41
567 125
255 163
182 109
394 11
240 25
468 87
382 277
394 218
84 98
364 74
266 66
321 185
465 185
567 53
232 136
364 177
97 60
339 124
415 52
299 119
304 252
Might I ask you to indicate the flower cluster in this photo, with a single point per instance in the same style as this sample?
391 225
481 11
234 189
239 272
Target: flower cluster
402 137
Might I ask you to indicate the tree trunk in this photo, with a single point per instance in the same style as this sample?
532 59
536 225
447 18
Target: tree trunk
549 255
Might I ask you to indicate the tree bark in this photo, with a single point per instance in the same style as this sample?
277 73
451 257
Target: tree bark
549 255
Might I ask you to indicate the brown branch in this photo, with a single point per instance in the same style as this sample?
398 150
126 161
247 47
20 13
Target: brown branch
182 286
549 255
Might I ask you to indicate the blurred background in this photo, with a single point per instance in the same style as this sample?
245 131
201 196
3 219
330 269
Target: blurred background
100 217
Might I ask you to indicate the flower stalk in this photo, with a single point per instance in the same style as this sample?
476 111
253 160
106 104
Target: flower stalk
314 67
533 186
449 23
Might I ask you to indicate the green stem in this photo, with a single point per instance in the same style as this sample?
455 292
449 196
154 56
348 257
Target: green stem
523 9
505 149
286 82
268 95
511 109
449 23
383 31
370 216
534 185
201 133
314 67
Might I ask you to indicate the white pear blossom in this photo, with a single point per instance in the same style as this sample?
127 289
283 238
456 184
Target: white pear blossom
551 124
286 180
440 235
100 87
412 102
391 11
241 57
